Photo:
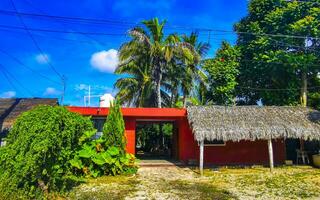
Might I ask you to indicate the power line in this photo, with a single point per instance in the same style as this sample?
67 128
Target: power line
91 38
172 26
39 49
61 31
27 67
6 73
33 39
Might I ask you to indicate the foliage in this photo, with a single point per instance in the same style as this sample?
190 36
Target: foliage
113 129
222 73
39 147
105 155
157 51
279 65
155 136
95 159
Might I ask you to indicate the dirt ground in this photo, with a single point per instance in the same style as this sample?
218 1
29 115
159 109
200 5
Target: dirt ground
175 183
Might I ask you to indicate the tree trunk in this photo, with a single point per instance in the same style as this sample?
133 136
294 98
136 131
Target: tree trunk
158 89
303 98
157 78
304 88
270 154
185 101
201 157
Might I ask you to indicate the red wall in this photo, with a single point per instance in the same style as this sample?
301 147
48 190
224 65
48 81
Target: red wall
243 152
130 132
233 153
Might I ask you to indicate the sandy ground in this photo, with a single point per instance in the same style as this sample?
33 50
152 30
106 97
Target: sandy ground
155 182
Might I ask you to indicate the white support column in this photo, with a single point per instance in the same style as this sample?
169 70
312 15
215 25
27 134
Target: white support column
270 154
201 157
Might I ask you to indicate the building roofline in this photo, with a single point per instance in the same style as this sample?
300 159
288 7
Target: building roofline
131 112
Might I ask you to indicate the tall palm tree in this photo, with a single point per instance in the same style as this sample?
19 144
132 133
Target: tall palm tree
192 72
150 41
136 87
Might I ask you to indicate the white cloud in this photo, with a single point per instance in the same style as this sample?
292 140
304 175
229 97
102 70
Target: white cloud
51 91
42 58
8 94
105 61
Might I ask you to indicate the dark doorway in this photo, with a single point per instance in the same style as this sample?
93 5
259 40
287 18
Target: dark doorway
155 140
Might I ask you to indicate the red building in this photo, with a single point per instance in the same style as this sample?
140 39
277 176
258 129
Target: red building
185 145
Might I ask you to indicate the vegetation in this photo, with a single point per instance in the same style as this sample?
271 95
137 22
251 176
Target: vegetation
222 73
105 188
283 66
35 160
285 183
105 155
275 61
150 50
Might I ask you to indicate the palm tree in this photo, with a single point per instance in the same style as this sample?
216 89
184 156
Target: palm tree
136 87
152 43
192 73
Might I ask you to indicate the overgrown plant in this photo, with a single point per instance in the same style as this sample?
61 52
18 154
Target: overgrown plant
105 155
35 160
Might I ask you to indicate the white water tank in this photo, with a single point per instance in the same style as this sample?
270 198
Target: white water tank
106 100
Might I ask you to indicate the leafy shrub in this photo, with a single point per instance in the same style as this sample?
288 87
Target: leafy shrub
36 158
96 159
106 155
113 129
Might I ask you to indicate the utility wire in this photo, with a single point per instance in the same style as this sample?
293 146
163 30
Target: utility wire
6 73
62 77
41 11
27 67
175 27
61 31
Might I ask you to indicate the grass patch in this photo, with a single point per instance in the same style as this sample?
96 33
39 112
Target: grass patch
197 190
294 182
106 187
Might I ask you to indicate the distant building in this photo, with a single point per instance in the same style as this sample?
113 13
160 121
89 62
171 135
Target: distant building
11 108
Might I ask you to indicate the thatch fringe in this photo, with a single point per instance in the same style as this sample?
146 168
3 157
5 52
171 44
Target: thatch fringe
237 123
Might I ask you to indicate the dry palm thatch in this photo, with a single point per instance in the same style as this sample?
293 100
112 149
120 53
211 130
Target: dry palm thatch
253 122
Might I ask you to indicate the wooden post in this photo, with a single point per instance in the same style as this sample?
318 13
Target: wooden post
201 157
270 154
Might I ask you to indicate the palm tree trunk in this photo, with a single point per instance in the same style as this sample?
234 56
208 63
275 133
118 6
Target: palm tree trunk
157 76
158 90
185 101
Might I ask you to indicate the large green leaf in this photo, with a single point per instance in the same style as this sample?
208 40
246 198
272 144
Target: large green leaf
113 151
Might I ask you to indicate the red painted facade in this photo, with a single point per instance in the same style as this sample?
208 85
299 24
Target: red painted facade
185 146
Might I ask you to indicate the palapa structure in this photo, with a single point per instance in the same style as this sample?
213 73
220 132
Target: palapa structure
235 123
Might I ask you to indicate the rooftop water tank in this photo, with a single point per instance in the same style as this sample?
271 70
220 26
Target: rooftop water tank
106 100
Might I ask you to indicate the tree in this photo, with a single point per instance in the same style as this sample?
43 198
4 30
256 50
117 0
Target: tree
222 73
136 87
151 42
193 74
113 129
39 147
278 69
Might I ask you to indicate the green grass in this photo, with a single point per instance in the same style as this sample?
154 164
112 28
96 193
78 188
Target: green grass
107 187
186 189
299 182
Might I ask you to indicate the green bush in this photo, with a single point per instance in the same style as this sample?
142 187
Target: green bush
40 145
96 159
113 129
105 155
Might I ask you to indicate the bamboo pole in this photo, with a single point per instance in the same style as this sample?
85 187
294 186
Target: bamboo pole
270 154
201 157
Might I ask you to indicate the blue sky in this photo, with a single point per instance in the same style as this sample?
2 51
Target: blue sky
90 59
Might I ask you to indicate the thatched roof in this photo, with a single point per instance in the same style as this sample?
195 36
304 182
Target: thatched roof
253 122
